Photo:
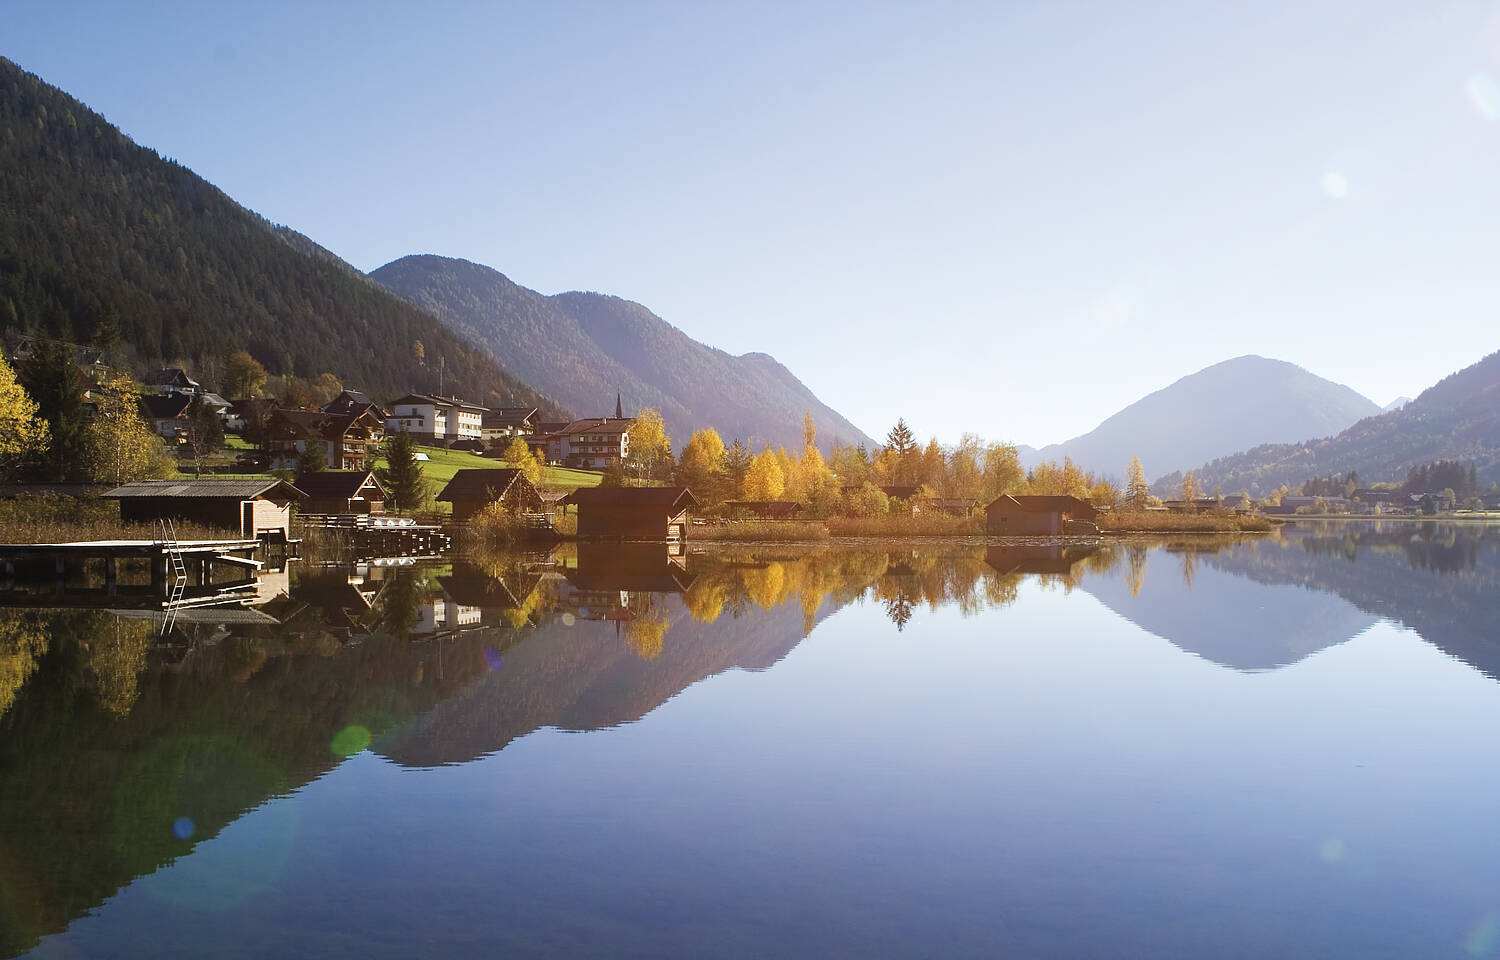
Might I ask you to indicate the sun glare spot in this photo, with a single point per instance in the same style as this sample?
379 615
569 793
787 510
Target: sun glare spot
1336 185
1484 94
1332 850
1486 935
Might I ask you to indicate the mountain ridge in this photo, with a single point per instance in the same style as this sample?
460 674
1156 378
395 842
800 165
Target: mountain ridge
1457 418
103 239
1212 412
587 346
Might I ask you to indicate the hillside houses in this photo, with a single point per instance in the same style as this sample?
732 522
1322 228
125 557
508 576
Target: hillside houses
501 424
597 443
432 419
168 414
347 441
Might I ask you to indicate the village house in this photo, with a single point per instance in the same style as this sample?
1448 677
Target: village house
1040 516
248 414
470 491
632 513
172 380
217 404
598 443
249 507
347 441
353 403
432 419
501 424
168 414
341 491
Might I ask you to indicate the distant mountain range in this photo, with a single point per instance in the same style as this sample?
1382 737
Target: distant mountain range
583 348
104 241
1456 419
1229 406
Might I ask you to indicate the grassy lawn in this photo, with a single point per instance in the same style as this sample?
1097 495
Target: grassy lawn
440 467
444 463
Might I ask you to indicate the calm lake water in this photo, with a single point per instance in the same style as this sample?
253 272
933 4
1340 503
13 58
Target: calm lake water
1283 747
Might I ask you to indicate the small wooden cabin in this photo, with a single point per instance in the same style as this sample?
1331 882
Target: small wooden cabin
1025 516
248 507
341 491
472 490
632 513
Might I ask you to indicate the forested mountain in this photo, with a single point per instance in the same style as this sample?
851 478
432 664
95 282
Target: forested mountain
583 348
104 241
1458 418
1226 407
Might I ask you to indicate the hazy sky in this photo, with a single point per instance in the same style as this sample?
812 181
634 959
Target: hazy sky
1011 219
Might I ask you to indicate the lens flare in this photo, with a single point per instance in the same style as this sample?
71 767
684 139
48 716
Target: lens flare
349 741
183 827
1332 850
1335 185
567 619
1484 94
1486 935
492 658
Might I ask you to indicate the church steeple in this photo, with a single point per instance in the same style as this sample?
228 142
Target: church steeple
619 414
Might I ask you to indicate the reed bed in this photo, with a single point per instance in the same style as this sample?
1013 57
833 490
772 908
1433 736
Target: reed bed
1152 521
762 531
919 525
58 518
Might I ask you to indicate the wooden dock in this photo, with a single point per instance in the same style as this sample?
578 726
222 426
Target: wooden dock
57 563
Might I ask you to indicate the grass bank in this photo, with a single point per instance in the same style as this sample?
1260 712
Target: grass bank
761 531
920 525
56 518
1151 521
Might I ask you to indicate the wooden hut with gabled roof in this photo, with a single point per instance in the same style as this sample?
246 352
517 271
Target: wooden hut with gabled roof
1039 516
341 491
632 513
472 490
252 507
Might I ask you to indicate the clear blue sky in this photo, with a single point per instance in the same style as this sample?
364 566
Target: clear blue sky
1011 219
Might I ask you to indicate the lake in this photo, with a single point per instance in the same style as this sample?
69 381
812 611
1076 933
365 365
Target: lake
1166 747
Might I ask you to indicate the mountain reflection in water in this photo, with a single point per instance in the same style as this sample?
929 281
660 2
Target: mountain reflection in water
120 750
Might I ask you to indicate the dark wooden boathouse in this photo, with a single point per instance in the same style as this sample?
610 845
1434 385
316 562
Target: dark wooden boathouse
1047 516
341 491
470 491
632 513
255 508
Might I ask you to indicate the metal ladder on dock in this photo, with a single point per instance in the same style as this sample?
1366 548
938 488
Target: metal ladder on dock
173 551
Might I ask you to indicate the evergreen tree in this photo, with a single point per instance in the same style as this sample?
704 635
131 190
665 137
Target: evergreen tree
736 465
312 457
403 478
52 380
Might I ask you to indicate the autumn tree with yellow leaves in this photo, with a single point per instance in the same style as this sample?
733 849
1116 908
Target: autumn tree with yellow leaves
23 435
120 444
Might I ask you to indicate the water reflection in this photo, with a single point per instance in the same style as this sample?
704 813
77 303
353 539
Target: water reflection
159 743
